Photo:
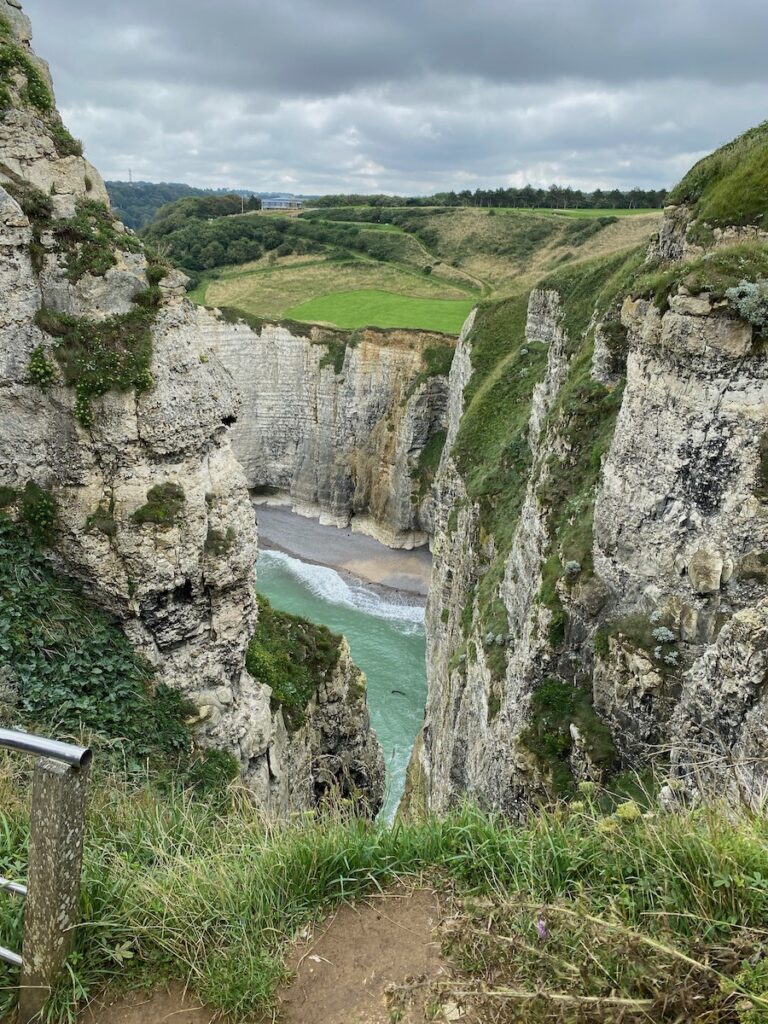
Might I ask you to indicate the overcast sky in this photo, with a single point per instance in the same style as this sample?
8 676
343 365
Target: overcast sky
408 96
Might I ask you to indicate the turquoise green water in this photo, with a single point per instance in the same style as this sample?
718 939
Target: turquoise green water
387 642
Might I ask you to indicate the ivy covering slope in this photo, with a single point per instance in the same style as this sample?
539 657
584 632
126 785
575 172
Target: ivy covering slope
67 667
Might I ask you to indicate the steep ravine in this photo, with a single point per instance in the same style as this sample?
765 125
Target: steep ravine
114 418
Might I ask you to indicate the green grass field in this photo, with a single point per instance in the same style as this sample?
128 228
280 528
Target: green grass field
371 308
424 271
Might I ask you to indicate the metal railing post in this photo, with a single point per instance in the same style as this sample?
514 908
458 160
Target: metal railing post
57 830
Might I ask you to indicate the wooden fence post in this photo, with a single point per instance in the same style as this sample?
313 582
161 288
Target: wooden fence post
57 829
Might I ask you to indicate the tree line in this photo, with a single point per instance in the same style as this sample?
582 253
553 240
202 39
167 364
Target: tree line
556 197
201 233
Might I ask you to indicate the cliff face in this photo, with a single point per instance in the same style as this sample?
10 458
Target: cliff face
680 530
626 613
115 409
339 422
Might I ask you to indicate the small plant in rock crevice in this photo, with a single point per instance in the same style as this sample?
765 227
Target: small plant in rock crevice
38 512
98 356
650 633
555 706
103 520
219 543
750 300
41 369
164 505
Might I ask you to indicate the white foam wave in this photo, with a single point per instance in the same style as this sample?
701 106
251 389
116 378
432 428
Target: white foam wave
329 585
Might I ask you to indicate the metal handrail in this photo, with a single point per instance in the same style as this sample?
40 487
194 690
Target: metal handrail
15 887
76 757
55 859
10 957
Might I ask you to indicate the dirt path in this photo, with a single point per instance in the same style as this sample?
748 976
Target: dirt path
367 963
173 1006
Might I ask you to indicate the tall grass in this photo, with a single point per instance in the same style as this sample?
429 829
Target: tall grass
210 892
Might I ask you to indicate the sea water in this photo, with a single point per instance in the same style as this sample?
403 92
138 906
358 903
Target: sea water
386 637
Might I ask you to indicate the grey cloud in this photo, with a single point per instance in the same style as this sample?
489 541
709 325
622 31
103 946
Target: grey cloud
409 97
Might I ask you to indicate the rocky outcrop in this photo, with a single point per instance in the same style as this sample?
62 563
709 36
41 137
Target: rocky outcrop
681 236
113 402
28 135
335 754
338 421
679 521
658 638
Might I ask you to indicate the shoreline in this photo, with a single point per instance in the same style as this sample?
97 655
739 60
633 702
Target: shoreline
389 571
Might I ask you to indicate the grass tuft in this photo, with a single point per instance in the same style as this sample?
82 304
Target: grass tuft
210 893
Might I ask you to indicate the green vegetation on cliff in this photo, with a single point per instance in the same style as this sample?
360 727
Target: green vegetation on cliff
16 61
99 356
715 272
494 452
91 240
66 666
730 186
294 657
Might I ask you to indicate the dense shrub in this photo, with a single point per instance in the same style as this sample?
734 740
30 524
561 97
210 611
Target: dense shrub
293 656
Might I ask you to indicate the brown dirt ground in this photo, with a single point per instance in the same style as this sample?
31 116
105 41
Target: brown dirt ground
173 1006
368 963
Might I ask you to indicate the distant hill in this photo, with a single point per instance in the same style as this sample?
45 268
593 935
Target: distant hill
137 202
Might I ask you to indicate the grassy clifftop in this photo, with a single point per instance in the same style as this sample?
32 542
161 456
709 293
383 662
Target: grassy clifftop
730 186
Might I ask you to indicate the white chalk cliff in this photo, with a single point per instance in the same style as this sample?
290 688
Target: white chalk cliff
179 576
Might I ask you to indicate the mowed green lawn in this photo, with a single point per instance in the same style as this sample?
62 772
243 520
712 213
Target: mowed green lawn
370 308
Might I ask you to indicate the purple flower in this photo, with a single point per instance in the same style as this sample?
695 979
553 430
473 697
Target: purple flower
541 928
